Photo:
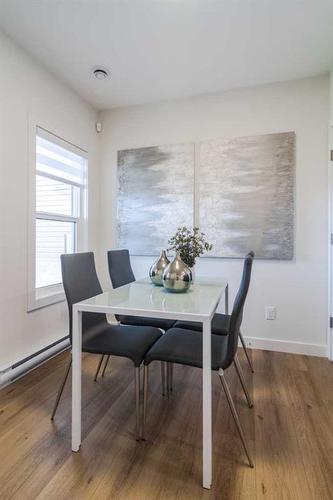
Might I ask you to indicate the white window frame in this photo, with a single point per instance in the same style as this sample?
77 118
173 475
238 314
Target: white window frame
52 294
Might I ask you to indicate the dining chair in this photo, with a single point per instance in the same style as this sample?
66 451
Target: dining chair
80 282
220 323
182 346
220 326
121 273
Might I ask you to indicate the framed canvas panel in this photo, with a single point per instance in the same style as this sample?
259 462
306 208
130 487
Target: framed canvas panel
246 195
155 196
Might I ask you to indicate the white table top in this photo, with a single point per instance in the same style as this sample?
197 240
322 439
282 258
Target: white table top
142 298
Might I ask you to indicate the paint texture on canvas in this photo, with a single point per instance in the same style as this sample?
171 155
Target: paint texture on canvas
155 196
246 199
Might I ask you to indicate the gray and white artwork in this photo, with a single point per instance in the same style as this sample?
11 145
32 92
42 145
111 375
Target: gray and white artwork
155 196
246 199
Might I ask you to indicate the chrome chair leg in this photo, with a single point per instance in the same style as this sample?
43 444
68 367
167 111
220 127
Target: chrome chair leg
242 381
99 367
61 388
145 398
163 377
169 377
235 415
106 364
137 401
246 352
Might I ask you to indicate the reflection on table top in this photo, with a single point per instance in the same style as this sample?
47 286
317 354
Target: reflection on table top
142 298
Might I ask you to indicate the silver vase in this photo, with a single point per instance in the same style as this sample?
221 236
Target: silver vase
157 269
177 277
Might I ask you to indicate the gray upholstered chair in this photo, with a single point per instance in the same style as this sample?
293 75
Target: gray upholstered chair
220 324
183 346
121 273
98 336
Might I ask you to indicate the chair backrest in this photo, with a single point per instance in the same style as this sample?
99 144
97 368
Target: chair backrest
120 268
80 282
238 307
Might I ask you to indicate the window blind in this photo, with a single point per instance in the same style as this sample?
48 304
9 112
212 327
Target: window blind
56 159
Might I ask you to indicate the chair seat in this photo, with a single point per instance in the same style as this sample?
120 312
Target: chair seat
131 342
165 324
179 345
220 324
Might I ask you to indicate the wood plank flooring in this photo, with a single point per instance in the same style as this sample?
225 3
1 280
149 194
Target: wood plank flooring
290 432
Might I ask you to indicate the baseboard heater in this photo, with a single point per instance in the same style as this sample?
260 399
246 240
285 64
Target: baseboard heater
29 363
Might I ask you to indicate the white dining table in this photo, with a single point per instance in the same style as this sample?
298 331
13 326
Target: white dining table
142 298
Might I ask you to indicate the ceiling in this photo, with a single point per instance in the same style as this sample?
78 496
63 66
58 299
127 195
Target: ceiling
166 49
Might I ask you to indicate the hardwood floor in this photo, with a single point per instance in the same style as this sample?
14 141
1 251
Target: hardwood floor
290 432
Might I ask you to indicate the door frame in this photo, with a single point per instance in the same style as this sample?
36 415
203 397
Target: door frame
330 244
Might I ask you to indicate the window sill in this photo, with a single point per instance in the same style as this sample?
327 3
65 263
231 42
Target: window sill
46 296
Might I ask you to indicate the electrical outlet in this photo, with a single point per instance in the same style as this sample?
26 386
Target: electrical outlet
270 312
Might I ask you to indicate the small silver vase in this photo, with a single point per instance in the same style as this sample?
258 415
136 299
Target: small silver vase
156 270
177 277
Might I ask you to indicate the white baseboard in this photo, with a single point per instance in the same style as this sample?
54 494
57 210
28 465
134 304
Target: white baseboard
330 344
287 346
10 374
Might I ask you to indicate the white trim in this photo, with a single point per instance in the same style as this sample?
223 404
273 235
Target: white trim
31 265
56 139
42 297
330 247
288 346
45 296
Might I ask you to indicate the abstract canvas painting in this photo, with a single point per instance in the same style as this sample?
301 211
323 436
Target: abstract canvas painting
155 196
246 195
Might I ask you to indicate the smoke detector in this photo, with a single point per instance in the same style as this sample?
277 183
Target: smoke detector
100 73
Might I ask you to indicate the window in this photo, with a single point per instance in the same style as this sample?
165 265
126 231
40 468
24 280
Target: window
58 213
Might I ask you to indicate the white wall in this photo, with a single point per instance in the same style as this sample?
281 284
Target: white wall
27 90
298 288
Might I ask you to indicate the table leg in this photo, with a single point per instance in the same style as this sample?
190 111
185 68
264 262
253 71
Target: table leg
76 379
206 406
226 300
